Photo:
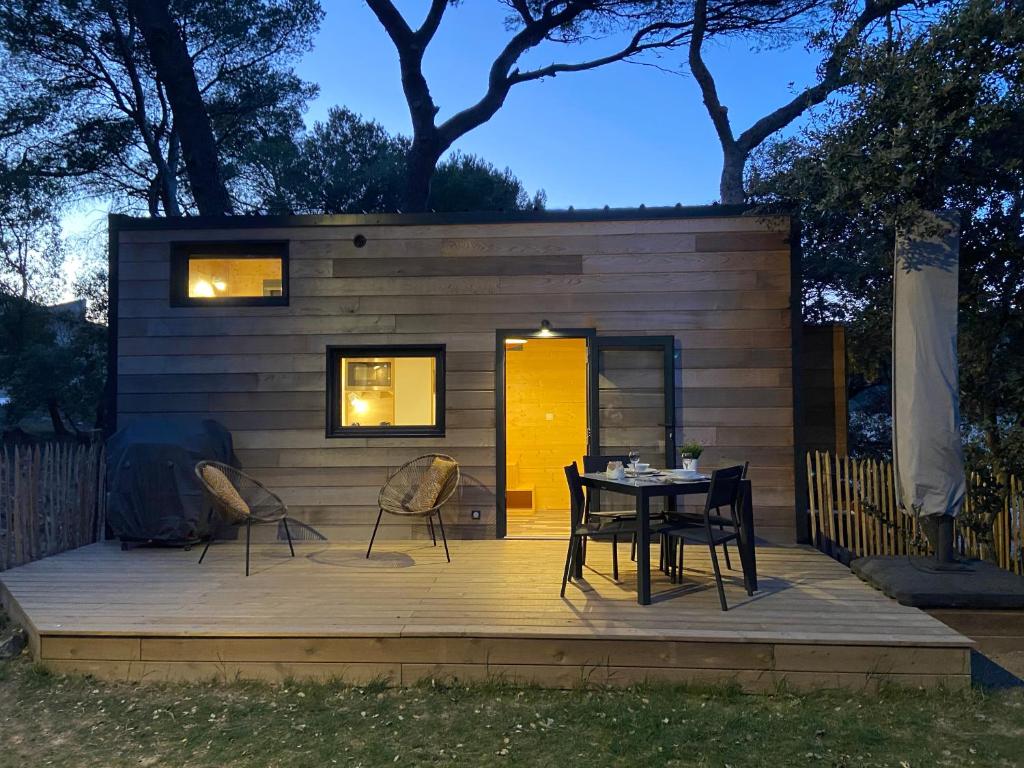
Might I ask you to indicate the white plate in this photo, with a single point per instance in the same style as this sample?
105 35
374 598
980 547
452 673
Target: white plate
642 473
686 474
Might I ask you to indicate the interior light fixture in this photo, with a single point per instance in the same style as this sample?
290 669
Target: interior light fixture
219 284
202 289
545 328
515 342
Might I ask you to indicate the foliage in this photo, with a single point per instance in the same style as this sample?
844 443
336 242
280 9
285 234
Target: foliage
347 164
32 251
343 165
485 724
91 283
82 99
933 122
469 183
52 361
691 450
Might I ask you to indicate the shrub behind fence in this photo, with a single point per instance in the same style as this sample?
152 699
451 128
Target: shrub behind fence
853 513
52 498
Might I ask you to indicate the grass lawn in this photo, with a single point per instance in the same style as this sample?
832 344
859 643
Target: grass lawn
50 720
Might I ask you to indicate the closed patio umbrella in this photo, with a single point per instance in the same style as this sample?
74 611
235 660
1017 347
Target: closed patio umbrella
927 452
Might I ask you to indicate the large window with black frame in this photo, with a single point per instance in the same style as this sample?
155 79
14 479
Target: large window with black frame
385 390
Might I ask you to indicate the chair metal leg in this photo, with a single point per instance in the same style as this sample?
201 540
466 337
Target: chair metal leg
380 514
248 531
746 576
674 570
214 530
430 525
209 541
718 577
725 549
288 534
615 558
632 549
568 562
444 538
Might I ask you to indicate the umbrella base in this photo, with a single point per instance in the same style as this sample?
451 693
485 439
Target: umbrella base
925 583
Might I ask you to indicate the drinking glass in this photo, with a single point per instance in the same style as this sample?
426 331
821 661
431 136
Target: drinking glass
634 459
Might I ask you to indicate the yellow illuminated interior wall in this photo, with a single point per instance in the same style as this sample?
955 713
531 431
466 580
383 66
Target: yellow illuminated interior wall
408 401
209 278
546 415
414 390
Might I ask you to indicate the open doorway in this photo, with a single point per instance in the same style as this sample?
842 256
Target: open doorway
545 429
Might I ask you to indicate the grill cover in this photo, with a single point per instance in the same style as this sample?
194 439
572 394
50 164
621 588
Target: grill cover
152 491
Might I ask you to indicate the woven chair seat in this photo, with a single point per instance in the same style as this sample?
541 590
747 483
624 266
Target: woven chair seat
420 487
240 500
264 506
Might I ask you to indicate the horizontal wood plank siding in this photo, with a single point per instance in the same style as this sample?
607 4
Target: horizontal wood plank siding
719 285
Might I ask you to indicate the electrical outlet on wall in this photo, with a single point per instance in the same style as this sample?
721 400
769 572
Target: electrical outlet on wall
549 416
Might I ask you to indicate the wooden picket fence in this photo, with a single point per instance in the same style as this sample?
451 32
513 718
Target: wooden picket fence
52 498
853 513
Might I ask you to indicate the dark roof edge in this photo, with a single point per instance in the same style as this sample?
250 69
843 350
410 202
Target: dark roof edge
127 223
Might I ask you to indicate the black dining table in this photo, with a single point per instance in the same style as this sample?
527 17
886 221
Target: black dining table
645 488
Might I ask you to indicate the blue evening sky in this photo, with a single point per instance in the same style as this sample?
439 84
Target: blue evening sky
620 135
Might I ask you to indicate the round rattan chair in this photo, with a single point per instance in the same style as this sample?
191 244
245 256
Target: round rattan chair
411 492
262 505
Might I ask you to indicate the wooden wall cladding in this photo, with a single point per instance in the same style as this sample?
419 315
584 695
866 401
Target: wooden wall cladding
719 285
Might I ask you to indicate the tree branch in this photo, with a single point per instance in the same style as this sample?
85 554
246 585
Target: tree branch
635 46
430 24
169 56
503 75
393 22
709 92
522 7
833 77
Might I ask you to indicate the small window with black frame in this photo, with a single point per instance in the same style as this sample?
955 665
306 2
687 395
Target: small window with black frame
234 274
391 391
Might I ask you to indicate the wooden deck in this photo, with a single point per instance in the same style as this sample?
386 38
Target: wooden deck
494 612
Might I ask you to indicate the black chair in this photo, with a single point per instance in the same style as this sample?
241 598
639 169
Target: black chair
593 463
581 528
715 528
680 519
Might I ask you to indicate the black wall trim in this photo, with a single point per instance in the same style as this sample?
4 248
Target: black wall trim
113 291
128 223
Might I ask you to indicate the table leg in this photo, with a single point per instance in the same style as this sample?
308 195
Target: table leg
643 549
748 558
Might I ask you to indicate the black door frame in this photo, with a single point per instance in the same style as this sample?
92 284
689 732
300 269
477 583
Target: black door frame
664 344
589 334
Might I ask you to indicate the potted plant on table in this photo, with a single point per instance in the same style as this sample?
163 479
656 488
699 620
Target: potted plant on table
689 453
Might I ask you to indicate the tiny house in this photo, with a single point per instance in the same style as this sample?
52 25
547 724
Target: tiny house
336 348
